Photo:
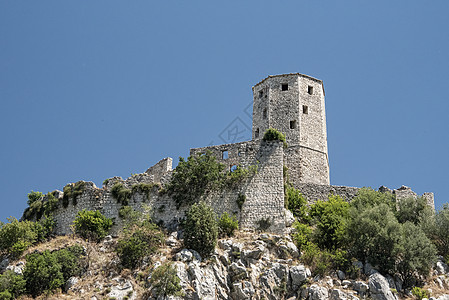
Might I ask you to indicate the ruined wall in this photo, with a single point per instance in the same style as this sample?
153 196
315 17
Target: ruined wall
161 168
264 191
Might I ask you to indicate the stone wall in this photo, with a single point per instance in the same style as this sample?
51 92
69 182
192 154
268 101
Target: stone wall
160 169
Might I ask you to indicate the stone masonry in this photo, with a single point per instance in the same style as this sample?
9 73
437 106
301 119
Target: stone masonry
291 103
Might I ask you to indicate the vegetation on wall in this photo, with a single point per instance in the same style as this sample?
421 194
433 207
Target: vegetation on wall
121 194
200 174
144 188
72 191
272 134
92 225
40 206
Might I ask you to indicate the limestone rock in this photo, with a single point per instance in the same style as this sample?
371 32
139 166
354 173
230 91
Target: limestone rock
289 218
298 275
71 282
317 292
441 268
122 289
379 288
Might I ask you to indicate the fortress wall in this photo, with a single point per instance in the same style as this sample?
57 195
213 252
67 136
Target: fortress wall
314 192
264 191
160 169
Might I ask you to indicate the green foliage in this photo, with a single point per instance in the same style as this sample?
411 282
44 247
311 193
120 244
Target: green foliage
92 225
121 194
192 178
323 261
415 254
367 197
272 134
296 203
139 240
48 271
413 210
40 207
227 225
125 212
439 231
200 229
34 196
420 293
330 218
11 285
377 236
201 173
302 235
16 236
72 191
241 198
143 188
165 282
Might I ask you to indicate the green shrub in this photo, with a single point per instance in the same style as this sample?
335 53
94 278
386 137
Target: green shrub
48 271
227 225
302 235
272 134
192 178
72 191
12 285
165 282
330 218
200 229
420 293
137 243
92 225
296 203
236 176
41 206
16 236
413 210
322 262
121 194
34 196
263 224
367 198
439 232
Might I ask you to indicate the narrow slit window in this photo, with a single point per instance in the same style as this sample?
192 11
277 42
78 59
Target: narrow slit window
225 154
241 153
260 94
310 90
256 133
233 168
264 114
284 87
293 124
305 109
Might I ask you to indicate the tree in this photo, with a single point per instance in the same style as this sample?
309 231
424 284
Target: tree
200 229
367 197
440 232
330 218
192 178
413 210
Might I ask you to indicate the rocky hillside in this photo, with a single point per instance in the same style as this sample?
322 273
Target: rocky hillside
251 265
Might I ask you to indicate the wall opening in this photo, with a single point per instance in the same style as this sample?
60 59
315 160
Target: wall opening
305 109
293 124
260 94
224 154
284 87
264 115
241 153
310 90
233 168
256 133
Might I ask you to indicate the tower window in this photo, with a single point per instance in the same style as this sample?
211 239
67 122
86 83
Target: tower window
305 109
310 90
293 124
284 87
264 114
256 133
225 154
260 94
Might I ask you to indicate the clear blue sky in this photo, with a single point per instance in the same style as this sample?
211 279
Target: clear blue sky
95 89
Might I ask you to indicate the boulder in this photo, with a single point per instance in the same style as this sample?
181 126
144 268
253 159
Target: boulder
289 218
441 268
341 275
298 275
336 294
379 288
317 292
70 283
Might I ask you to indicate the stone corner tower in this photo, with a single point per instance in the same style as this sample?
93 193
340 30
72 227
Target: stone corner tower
294 105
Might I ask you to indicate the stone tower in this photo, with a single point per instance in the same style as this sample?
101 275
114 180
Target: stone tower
294 105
